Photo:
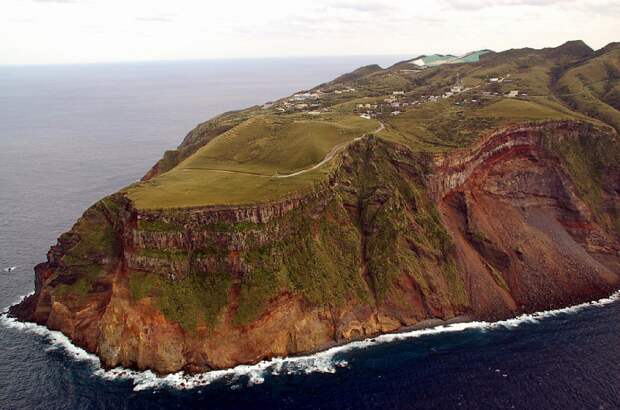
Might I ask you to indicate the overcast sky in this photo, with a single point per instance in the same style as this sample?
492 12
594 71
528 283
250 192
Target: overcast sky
67 31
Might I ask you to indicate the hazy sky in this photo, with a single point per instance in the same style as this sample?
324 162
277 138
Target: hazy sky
60 31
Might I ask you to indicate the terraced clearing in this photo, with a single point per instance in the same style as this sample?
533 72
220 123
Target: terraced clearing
242 165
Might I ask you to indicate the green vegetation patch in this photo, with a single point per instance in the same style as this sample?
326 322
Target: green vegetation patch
323 260
586 158
320 260
593 87
195 300
91 248
260 285
436 126
97 237
515 109
194 188
88 275
240 165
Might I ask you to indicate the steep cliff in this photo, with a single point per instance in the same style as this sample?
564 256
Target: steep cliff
526 219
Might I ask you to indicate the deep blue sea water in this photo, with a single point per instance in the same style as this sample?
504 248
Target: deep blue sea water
72 134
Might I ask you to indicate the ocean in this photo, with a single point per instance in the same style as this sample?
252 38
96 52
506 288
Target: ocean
70 134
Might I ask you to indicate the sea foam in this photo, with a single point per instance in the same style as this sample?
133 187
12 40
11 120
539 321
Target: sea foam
325 361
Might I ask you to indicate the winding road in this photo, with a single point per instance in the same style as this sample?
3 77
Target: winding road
330 155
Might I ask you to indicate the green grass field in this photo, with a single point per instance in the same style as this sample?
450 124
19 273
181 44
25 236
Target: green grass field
522 110
250 148
594 87
443 126
238 167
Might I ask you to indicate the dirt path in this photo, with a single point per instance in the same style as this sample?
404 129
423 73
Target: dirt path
330 155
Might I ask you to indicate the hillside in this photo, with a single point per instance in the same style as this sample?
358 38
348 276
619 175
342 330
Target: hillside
593 86
384 199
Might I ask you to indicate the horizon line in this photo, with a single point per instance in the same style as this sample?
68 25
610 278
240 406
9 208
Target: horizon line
199 59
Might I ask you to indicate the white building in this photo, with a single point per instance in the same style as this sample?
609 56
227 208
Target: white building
301 96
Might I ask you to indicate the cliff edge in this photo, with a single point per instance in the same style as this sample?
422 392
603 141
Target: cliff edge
387 198
392 238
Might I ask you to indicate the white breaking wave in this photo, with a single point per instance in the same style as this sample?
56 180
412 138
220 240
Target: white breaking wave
321 362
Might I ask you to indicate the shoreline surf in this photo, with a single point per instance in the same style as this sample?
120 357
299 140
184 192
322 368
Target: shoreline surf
324 361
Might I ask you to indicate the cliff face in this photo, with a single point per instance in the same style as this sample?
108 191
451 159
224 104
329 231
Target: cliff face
515 212
527 219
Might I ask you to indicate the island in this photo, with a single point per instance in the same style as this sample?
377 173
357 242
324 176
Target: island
443 188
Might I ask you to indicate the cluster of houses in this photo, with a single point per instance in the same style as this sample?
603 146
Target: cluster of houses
392 105
500 80
306 102
344 91
396 103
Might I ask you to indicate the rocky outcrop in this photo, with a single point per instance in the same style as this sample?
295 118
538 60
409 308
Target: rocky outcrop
513 208
393 238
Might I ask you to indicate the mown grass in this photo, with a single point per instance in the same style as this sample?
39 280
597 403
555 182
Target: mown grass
267 145
238 166
514 110
190 188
